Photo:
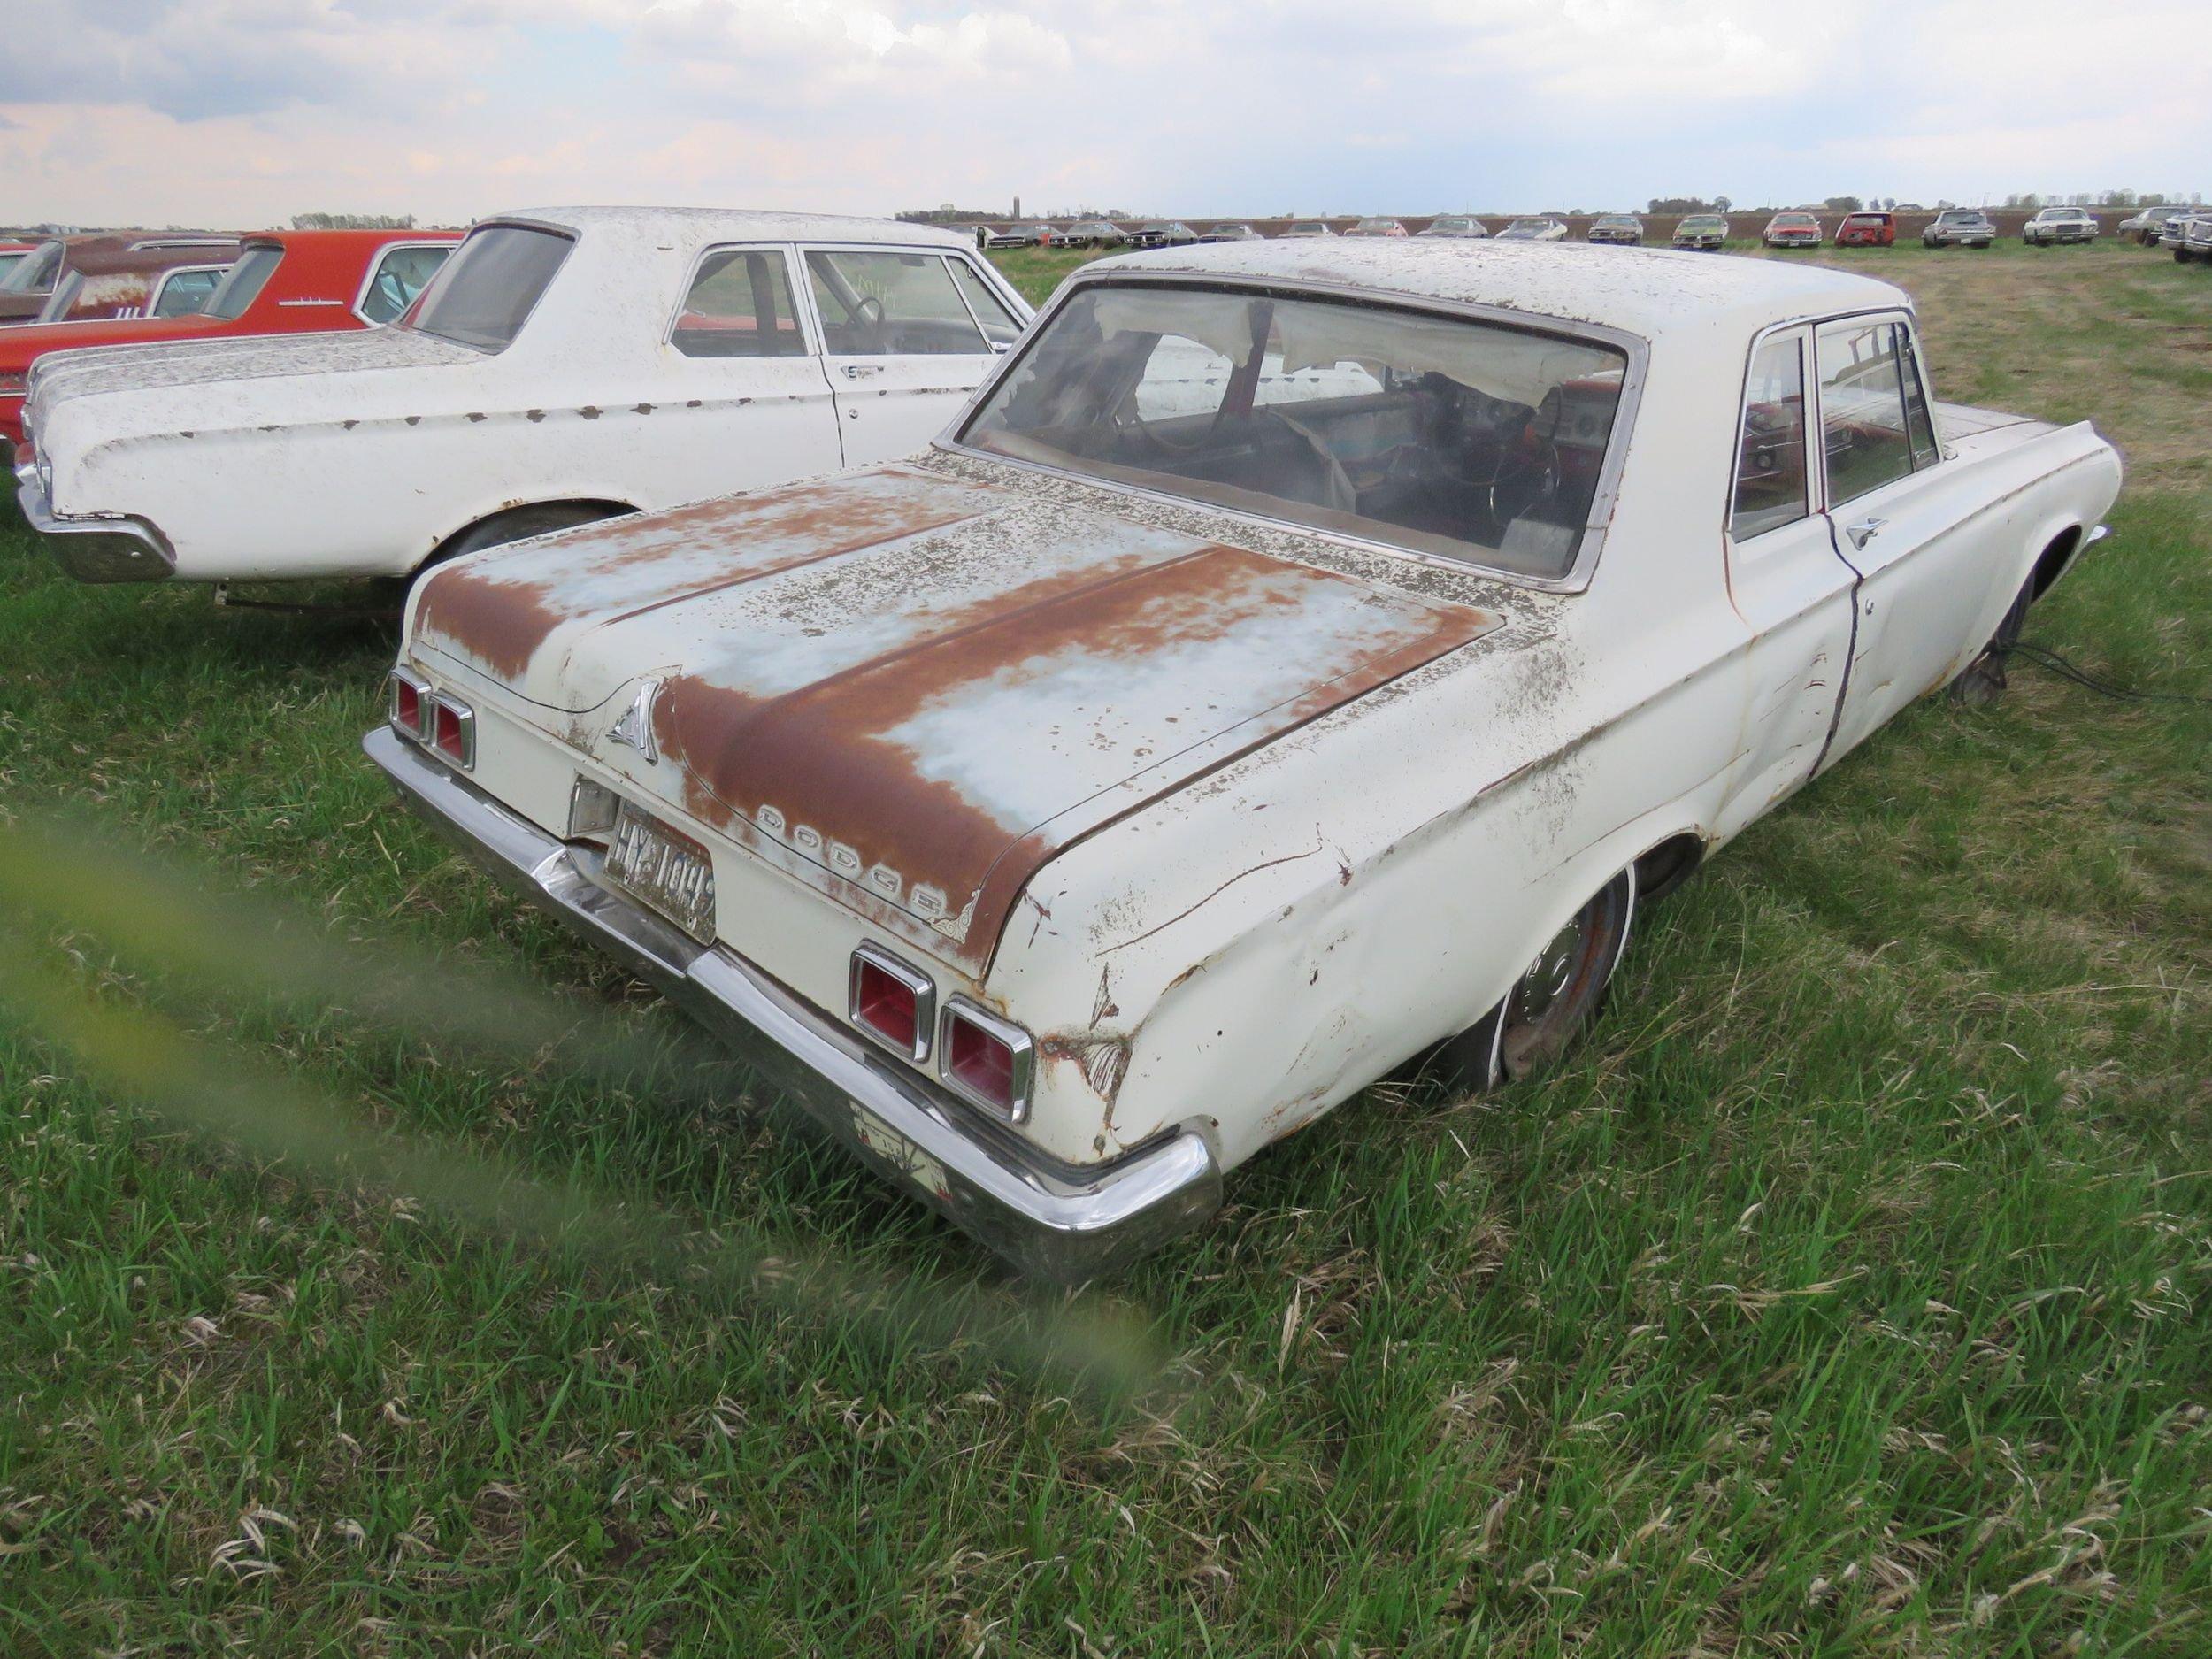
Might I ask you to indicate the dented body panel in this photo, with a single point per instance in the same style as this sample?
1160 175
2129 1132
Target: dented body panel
232 449
1231 816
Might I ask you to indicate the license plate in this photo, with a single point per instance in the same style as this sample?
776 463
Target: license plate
664 870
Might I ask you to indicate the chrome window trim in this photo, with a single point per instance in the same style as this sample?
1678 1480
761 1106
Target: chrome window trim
152 307
1574 579
924 987
1816 468
927 250
1023 1046
383 251
1895 314
801 313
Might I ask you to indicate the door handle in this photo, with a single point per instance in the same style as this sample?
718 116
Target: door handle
860 371
1864 531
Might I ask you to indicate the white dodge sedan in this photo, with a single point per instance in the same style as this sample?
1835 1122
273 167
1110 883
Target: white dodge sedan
1074 808
566 364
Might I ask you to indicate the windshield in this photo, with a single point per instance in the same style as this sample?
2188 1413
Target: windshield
483 294
1468 439
1308 224
1530 224
1704 222
34 274
1616 219
1864 218
1793 219
1377 224
1961 218
242 283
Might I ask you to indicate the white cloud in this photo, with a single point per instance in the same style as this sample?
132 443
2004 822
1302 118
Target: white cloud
233 110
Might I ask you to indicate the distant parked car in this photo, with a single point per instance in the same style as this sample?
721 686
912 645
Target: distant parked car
1869 229
1024 236
1623 228
2146 226
25 290
1533 230
1090 232
1462 225
2189 237
284 282
1377 227
1792 230
1959 227
1304 229
1163 232
133 283
1704 232
565 365
2059 225
1235 231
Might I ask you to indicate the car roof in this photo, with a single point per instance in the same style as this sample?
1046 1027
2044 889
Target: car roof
738 225
1646 292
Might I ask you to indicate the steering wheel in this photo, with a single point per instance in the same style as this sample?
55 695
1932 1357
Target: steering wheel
869 313
1529 473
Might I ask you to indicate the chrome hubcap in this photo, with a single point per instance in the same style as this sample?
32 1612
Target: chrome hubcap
1551 973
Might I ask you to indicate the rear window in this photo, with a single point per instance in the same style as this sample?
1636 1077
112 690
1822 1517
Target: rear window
1327 414
35 274
487 289
242 283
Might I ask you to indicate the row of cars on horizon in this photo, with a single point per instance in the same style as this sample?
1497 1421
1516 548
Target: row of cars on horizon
1950 228
1087 748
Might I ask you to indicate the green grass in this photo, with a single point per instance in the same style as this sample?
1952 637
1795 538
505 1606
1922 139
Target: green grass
383 1274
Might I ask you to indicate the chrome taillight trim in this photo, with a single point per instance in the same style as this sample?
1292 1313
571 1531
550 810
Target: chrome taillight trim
420 731
1019 1043
924 987
466 719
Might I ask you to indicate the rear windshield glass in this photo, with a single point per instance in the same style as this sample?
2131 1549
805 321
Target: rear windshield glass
34 274
242 283
1444 435
487 290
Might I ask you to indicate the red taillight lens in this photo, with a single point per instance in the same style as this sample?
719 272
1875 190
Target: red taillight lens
453 731
411 703
988 1060
896 1004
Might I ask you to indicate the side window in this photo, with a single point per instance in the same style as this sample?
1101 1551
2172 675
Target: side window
1861 407
1770 452
1919 419
890 304
999 326
400 274
185 292
739 306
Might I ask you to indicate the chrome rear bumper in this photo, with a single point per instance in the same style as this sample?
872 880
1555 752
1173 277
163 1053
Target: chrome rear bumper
1054 1221
116 550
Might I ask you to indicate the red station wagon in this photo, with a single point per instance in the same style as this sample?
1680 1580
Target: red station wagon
1867 230
284 282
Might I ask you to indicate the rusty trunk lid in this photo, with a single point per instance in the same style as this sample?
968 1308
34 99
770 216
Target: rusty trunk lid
912 690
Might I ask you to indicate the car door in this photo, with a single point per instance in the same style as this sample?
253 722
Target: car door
1786 580
902 341
742 399
1924 573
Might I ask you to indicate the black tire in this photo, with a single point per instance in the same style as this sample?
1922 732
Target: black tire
1982 681
1550 1004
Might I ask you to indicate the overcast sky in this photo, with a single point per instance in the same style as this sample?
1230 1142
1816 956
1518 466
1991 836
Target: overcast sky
240 113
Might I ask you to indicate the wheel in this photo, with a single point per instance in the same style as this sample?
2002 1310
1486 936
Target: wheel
519 524
1549 1004
1982 681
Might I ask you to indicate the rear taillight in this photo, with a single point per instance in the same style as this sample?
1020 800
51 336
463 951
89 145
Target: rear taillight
987 1060
453 730
411 701
892 1002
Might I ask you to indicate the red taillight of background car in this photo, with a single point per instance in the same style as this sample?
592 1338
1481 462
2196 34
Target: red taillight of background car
453 731
892 1002
411 701
988 1060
